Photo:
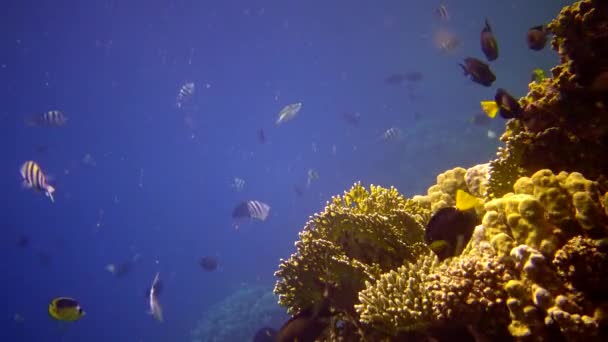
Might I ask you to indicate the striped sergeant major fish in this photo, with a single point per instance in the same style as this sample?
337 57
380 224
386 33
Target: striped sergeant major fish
441 12
34 178
185 94
251 209
51 118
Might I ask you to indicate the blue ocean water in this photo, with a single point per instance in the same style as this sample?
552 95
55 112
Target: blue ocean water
139 179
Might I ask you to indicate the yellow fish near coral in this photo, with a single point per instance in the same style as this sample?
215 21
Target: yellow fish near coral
466 201
65 309
490 108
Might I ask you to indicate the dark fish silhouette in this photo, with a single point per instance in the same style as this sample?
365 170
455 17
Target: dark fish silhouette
208 263
478 71
488 43
307 325
449 230
537 37
509 107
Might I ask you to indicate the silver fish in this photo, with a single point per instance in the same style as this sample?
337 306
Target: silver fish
238 184
52 118
289 112
155 309
392 134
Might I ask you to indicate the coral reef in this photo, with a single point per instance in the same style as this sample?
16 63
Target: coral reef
564 124
357 236
239 316
535 269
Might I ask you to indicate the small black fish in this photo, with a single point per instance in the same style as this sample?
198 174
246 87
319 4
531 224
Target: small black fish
307 325
488 43
449 230
509 107
265 334
261 136
537 37
478 71
208 263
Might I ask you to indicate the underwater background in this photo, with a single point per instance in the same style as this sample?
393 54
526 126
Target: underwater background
143 180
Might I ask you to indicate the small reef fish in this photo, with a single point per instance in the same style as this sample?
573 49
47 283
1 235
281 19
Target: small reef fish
312 176
34 178
450 228
410 76
155 309
208 263
23 241
538 75
65 309
122 269
506 105
488 43
52 118
238 184
251 209
288 112
392 134
185 94
478 71
537 37
442 13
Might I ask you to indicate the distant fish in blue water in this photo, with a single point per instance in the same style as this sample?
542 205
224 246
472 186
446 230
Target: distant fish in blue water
51 118
185 94
238 184
34 178
298 190
489 46
208 263
155 309
441 12
23 241
122 269
392 134
312 175
289 112
251 209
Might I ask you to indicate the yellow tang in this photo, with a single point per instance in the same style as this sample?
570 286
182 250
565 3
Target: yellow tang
65 309
466 201
490 108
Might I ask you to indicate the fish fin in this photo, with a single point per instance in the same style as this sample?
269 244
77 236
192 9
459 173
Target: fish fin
490 108
465 201
487 27
464 69
540 28
26 185
49 193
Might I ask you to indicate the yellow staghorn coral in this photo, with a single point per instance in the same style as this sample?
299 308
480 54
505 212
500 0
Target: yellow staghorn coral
358 236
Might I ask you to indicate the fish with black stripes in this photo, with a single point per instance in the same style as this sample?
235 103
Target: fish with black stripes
51 118
34 178
251 209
